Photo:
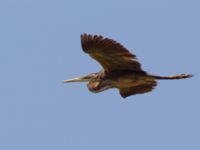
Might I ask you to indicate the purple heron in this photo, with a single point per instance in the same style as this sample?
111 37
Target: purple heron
121 69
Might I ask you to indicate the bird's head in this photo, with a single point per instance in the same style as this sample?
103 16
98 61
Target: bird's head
97 86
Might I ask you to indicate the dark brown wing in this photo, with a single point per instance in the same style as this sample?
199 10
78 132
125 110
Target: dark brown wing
110 54
125 92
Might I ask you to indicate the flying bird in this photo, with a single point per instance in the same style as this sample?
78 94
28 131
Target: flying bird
121 68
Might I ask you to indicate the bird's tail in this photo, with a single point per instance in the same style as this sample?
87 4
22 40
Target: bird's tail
178 76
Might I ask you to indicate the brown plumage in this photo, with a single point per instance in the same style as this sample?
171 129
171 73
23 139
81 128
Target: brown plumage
120 68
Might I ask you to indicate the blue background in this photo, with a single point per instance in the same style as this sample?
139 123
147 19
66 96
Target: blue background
40 47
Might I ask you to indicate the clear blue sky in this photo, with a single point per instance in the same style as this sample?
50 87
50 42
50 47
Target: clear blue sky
40 47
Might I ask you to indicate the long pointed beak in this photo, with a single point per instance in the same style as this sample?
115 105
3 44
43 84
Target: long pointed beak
79 79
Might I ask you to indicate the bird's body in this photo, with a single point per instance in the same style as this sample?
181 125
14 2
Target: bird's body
120 68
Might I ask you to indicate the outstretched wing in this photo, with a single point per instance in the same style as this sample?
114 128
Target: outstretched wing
111 55
140 89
